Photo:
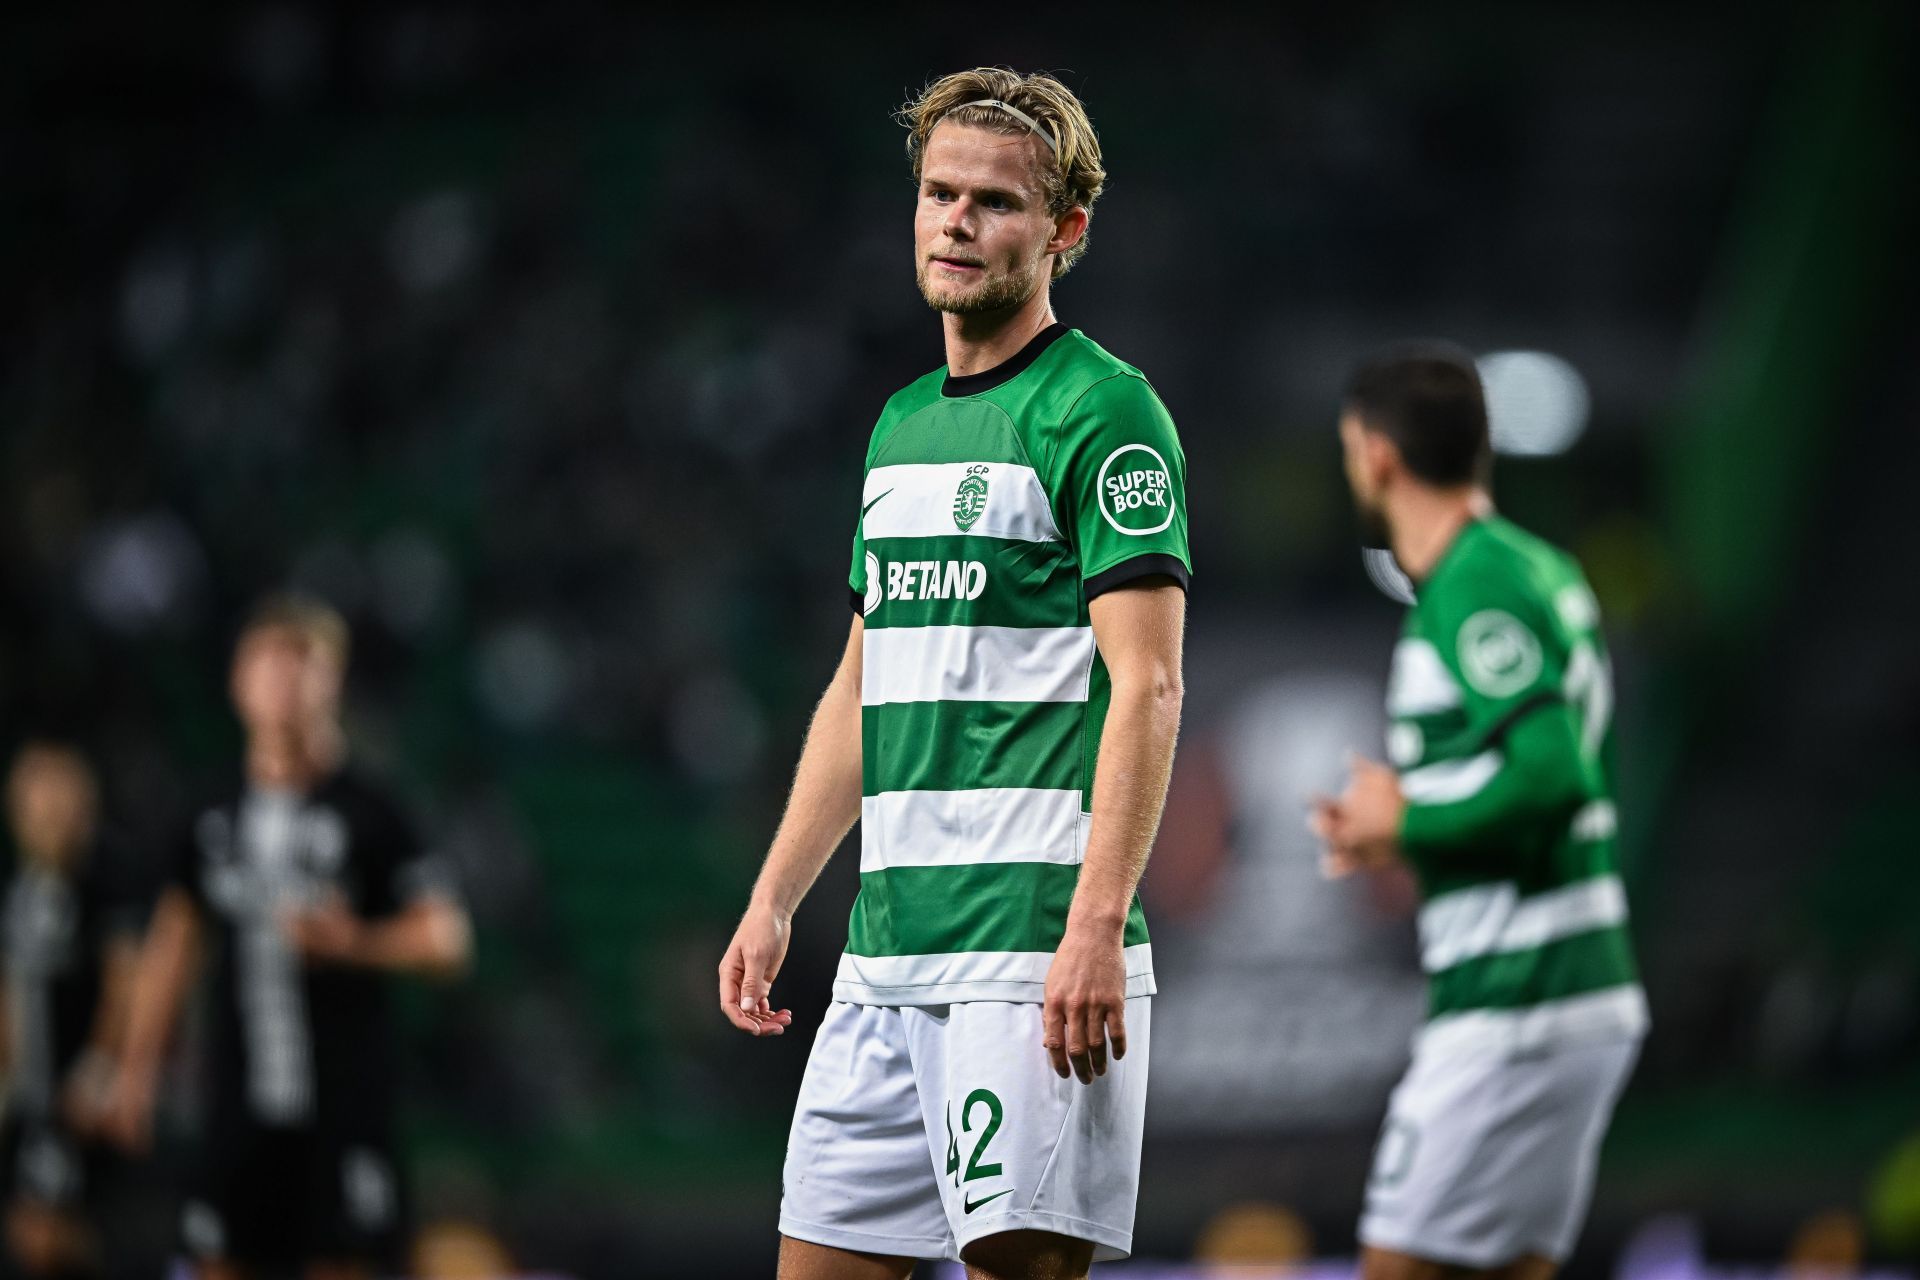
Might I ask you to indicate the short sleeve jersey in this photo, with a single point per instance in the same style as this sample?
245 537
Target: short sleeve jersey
294 1044
1523 930
55 929
995 507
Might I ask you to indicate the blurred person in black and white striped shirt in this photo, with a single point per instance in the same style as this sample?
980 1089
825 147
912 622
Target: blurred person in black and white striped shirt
314 888
68 936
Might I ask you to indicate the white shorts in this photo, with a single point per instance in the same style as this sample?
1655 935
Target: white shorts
921 1130
1487 1157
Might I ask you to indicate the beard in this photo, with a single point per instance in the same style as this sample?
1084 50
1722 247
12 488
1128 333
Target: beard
996 293
1373 524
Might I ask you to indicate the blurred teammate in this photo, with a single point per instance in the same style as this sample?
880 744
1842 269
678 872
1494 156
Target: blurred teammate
978 1086
70 930
1501 800
312 888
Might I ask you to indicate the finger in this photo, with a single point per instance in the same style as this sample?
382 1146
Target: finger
768 1021
1077 1043
730 970
753 983
1097 1040
1053 1035
1117 1030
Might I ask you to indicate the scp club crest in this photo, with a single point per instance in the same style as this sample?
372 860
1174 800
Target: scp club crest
970 499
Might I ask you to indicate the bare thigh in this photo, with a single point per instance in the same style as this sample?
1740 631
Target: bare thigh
1385 1264
805 1260
1028 1255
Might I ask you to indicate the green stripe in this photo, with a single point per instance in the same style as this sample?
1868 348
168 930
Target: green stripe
1009 906
960 746
1536 861
952 431
1028 584
1516 979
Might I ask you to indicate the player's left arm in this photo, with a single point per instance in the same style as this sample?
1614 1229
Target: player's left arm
1118 479
428 937
1532 775
1138 629
413 922
1530 765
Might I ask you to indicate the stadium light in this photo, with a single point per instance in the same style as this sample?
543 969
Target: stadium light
1537 403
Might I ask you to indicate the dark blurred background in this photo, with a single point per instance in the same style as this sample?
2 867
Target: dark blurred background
545 343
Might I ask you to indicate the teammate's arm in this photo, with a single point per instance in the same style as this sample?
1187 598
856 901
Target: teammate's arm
1138 630
159 985
821 809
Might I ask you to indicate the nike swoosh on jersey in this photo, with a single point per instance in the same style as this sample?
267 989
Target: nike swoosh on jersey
971 1205
871 505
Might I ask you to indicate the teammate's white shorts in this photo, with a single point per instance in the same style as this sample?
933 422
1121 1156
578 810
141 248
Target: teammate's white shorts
1487 1157
921 1130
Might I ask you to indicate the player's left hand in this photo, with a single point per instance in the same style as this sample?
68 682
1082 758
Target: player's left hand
1362 826
325 934
1086 1003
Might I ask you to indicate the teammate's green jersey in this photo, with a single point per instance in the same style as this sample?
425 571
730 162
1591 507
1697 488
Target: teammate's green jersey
1500 706
995 506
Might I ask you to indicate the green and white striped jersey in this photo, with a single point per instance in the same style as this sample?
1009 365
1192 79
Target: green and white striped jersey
995 506
1500 706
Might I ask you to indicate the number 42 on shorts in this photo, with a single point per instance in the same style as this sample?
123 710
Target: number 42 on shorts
977 1166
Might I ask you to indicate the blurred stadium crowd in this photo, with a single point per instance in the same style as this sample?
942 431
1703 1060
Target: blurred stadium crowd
544 345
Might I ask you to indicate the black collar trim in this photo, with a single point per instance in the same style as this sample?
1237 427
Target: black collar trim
972 384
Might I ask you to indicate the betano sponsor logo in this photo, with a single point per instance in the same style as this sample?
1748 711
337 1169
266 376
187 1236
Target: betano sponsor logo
935 579
1136 491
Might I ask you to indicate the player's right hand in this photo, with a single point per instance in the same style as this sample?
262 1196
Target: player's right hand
747 971
127 1118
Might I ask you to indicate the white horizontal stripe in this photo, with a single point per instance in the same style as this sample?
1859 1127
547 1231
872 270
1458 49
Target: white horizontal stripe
1019 976
1450 780
915 500
975 664
956 828
1491 919
1420 683
1597 820
1617 1013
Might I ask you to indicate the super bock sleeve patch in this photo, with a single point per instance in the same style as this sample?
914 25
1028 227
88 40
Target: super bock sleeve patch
1121 478
1498 655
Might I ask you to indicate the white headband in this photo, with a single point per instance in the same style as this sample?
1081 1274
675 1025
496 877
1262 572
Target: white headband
1053 144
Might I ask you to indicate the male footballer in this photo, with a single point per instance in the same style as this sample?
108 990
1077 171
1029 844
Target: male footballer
1002 724
1500 799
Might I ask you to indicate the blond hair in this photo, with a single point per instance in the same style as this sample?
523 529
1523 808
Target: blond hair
1071 175
315 622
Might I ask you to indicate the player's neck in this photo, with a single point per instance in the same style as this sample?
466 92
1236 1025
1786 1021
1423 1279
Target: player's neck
1425 522
293 759
977 343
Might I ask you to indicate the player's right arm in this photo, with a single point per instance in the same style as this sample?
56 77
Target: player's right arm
159 984
821 809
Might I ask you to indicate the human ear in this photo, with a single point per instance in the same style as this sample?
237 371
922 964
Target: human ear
1067 230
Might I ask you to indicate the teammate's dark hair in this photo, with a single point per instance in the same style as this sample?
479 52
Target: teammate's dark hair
1426 398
